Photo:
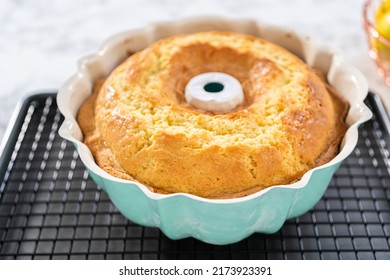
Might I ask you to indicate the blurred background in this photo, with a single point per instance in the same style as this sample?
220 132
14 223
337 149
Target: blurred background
41 41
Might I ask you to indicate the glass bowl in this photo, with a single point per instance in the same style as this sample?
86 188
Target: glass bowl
378 44
215 221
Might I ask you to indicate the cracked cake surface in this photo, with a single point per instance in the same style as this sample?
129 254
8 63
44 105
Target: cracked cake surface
139 127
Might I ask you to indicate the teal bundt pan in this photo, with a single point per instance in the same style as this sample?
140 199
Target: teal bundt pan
215 221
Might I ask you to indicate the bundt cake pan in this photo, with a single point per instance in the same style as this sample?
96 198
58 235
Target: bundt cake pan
215 221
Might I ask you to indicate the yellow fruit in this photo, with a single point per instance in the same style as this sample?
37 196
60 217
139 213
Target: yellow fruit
382 19
382 26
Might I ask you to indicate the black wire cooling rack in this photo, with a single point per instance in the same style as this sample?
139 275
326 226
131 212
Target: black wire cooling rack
51 209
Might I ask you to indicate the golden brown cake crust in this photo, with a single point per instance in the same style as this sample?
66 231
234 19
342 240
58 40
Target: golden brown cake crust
139 127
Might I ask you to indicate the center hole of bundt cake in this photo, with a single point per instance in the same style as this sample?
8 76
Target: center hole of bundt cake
252 73
214 92
213 87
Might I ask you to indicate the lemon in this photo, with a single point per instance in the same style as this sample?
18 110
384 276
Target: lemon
382 25
382 19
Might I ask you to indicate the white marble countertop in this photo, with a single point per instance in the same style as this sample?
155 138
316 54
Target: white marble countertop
40 41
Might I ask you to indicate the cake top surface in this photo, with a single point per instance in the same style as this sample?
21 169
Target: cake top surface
288 122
